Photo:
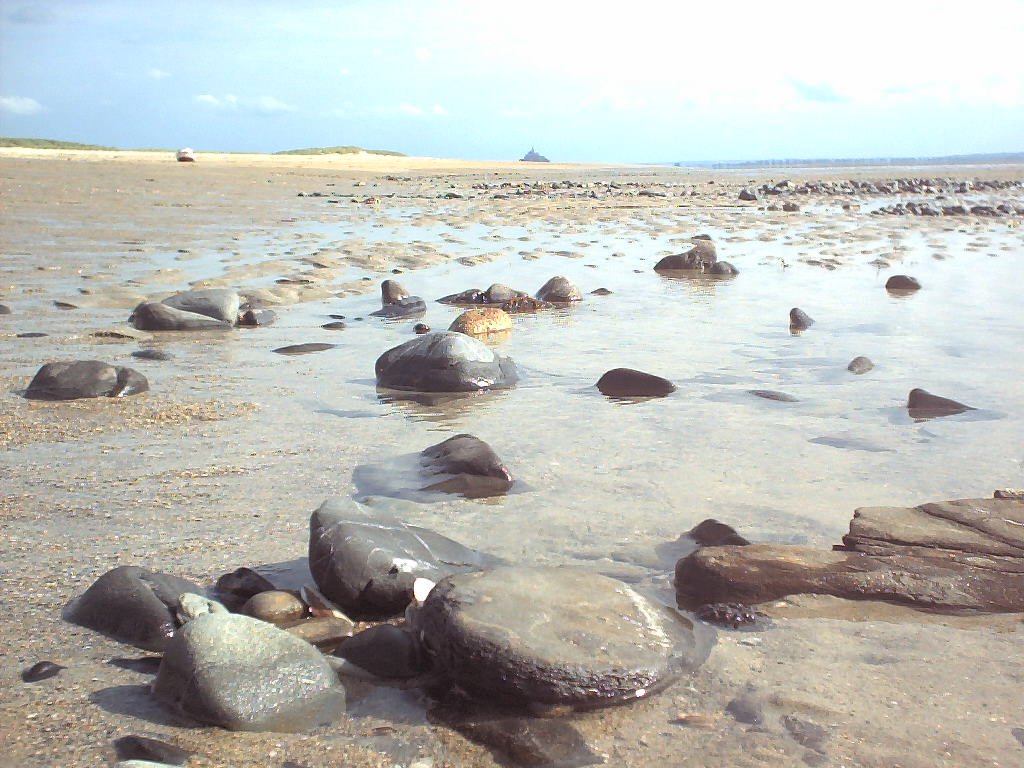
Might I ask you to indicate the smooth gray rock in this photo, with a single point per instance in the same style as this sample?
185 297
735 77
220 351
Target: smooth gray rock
723 269
84 378
4 309
385 651
304 349
799 320
559 290
219 303
407 306
391 292
860 365
444 361
133 605
701 256
138 748
155 316
902 283
629 383
366 560
922 405
252 318
466 465
247 675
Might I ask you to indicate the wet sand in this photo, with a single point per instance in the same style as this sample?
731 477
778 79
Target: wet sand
221 463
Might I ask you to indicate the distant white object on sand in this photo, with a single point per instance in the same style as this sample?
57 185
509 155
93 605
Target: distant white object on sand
186 155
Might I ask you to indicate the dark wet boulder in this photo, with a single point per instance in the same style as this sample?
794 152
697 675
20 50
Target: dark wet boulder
964 555
799 320
902 283
219 303
702 255
252 318
392 292
627 383
133 605
408 306
384 651
154 316
234 589
466 465
747 195
244 674
859 365
366 560
924 405
559 290
554 637
723 269
84 378
444 361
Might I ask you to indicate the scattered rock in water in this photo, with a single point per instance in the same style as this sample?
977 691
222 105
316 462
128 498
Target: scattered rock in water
524 304
600 292
366 560
133 605
421 328
236 588
30 335
304 349
806 733
922 405
745 709
902 283
276 606
733 616
947 556
84 378
468 466
252 318
480 322
152 354
701 256
771 394
444 361
41 670
859 365
244 674
799 320
790 207
392 292
630 383
144 748
154 316
553 637
495 294
559 290
335 326
384 651
64 305
723 269
5 310
218 303
409 306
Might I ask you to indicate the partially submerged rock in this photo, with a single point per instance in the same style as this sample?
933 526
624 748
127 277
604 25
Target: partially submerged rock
860 365
133 605
553 637
366 560
701 256
466 465
480 322
497 293
444 361
247 675
409 306
629 383
903 283
965 555
799 320
218 303
155 316
922 405
559 290
84 378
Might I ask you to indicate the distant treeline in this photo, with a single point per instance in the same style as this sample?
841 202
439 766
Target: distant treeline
979 159
56 144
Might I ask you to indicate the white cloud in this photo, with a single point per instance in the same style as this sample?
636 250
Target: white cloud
410 109
262 104
158 74
344 71
270 104
20 105
423 54
438 110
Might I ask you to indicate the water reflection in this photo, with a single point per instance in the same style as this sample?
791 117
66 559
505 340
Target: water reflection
439 407
700 285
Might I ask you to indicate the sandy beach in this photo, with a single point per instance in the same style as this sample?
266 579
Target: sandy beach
221 463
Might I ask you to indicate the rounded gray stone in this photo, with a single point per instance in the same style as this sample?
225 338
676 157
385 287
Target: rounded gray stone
444 361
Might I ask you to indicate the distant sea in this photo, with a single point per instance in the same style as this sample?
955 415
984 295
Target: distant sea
834 162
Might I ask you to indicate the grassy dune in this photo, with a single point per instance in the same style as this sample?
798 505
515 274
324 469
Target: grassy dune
6 141
344 150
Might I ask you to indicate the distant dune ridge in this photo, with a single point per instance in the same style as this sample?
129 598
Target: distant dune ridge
31 143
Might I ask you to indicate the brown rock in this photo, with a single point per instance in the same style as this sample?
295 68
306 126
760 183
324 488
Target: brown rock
478 322
276 606
325 632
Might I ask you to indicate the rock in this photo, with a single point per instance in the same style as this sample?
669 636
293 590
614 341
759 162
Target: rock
133 605
733 616
859 365
799 320
325 632
902 283
498 293
335 326
144 748
409 306
30 335
747 195
41 670
626 382
467 466
126 334
244 674
219 303
304 349
531 742
524 304
444 361
553 637
252 318
790 207
276 606
559 290
384 651
153 316
702 255
1009 493
367 560
4 309
771 394
745 710
234 589
191 605
391 292
421 328
948 556
152 354
479 322
923 405
723 269
806 733
600 292
84 378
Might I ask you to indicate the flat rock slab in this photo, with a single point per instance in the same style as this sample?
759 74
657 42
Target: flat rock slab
554 637
444 361
219 303
366 559
965 555
84 378
304 349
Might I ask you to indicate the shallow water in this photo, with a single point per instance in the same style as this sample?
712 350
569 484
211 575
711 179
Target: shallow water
600 484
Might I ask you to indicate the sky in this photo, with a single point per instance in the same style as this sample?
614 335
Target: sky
639 81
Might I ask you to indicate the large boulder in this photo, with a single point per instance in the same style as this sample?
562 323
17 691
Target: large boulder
965 555
701 256
366 560
444 361
559 290
133 605
154 316
554 637
247 675
84 378
466 465
219 303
